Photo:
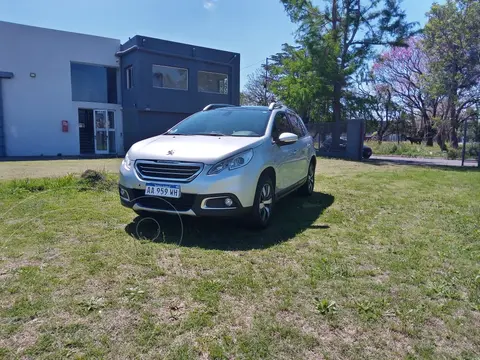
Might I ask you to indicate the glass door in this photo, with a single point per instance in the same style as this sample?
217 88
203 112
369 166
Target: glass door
101 131
112 148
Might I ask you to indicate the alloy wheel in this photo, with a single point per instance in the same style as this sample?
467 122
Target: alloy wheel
265 204
311 178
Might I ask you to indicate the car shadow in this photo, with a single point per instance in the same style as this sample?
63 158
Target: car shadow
293 215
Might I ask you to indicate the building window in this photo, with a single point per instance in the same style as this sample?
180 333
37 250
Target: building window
168 77
129 77
94 83
212 82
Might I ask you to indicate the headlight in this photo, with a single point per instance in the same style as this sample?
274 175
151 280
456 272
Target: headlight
127 163
232 163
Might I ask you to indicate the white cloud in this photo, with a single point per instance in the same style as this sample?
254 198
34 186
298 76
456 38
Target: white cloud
210 4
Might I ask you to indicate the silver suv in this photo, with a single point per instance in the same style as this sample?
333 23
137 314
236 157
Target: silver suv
223 161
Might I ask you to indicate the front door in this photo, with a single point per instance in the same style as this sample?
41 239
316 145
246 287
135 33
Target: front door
284 155
104 136
101 131
300 148
86 131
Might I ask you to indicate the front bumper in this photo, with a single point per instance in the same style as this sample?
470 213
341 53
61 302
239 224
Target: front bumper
203 196
188 204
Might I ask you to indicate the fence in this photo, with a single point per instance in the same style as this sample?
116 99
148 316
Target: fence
340 140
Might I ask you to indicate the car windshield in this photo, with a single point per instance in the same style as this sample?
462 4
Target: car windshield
224 122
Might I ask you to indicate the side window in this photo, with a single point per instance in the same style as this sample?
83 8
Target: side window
280 125
303 126
129 77
296 125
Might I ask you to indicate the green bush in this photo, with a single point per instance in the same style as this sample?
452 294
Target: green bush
405 149
472 150
453 154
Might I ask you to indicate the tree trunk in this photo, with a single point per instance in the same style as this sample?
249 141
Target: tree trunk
337 87
452 105
413 129
453 123
380 133
428 129
441 141
337 114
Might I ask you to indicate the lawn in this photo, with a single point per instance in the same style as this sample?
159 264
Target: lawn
421 150
51 168
382 262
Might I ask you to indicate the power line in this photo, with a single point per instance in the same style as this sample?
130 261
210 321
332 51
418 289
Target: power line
249 66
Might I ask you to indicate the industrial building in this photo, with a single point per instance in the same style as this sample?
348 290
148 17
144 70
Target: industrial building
70 94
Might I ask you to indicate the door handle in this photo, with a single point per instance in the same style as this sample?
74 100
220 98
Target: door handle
294 151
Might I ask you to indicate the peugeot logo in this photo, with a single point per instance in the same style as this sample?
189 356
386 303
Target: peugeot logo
170 152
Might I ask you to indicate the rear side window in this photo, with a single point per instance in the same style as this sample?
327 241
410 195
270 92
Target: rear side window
297 125
280 125
304 128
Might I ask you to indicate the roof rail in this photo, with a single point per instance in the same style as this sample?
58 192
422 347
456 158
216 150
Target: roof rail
274 105
217 106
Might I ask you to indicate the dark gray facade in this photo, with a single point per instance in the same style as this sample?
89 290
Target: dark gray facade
150 110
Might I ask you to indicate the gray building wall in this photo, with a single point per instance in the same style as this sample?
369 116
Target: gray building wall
149 111
39 95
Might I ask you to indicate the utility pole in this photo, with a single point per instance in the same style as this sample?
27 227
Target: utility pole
465 124
266 81
398 131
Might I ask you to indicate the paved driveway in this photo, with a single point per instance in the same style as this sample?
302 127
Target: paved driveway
423 161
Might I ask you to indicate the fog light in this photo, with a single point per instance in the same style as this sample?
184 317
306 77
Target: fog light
228 202
124 194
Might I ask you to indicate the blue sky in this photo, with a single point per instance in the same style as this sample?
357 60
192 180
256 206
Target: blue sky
254 28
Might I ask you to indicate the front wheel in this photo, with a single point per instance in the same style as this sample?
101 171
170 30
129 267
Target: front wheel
262 209
307 188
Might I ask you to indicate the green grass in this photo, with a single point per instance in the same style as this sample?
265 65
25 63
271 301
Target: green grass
420 151
54 168
382 262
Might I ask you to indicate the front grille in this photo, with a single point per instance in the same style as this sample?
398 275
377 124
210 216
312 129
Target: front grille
184 203
167 171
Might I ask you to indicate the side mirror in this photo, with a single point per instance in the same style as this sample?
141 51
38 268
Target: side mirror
287 138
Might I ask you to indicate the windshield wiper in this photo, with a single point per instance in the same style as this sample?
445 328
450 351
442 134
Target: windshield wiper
211 134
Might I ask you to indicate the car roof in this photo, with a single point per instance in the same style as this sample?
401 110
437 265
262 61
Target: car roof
255 107
239 108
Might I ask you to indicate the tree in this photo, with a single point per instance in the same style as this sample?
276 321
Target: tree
293 80
255 92
452 42
342 36
375 105
404 70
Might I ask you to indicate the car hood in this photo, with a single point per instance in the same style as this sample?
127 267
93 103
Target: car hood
195 148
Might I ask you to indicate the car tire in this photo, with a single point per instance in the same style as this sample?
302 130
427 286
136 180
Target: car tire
307 188
366 156
263 204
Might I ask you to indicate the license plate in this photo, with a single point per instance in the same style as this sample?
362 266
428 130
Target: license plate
163 190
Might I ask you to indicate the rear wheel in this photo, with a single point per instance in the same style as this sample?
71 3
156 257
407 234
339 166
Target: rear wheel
307 188
262 209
